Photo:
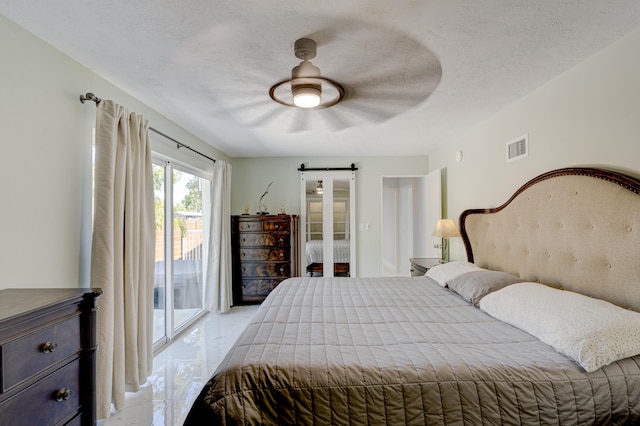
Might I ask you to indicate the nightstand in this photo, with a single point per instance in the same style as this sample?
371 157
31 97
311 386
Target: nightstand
420 265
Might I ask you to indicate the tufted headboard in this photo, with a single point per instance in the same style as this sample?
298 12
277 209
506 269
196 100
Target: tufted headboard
575 228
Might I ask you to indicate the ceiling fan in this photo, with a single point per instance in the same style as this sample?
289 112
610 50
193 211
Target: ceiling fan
368 76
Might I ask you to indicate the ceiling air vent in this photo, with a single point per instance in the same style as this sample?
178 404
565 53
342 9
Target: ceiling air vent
518 148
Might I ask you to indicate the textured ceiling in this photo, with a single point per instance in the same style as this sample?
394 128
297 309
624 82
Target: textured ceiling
418 73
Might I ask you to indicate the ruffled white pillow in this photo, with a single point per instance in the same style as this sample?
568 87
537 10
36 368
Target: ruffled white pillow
592 332
450 270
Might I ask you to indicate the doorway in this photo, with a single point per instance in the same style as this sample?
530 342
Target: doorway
411 205
327 211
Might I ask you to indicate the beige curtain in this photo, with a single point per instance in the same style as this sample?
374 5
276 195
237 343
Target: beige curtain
218 297
122 256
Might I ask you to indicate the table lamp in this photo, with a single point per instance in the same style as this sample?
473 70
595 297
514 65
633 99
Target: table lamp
445 229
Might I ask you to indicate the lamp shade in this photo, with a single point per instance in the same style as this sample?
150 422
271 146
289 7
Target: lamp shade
445 228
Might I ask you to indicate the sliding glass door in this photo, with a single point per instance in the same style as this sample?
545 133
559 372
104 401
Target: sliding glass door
182 201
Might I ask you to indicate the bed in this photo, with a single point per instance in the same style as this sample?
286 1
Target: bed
341 249
445 348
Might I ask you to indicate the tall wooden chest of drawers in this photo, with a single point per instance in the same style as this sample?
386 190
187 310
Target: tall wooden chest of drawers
264 253
47 356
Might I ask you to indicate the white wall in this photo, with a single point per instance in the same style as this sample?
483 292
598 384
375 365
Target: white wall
252 175
45 175
589 115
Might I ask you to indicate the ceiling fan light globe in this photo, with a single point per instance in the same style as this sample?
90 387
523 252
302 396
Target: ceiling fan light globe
306 96
306 101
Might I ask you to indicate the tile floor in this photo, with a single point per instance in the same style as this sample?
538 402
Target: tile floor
181 369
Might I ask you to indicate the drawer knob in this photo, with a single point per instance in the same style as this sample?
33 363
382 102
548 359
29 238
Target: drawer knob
49 347
281 240
63 394
281 254
281 269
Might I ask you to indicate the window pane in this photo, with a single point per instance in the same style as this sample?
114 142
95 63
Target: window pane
341 196
159 280
188 244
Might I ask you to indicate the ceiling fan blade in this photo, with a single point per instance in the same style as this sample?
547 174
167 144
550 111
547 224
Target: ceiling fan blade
247 105
372 112
263 119
333 119
302 121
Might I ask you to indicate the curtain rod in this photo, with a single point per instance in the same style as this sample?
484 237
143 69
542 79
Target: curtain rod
93 98
302 168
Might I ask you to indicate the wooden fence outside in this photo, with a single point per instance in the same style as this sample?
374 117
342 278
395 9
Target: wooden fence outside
187 245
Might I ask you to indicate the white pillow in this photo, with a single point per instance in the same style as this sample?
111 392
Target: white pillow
592 332
450 270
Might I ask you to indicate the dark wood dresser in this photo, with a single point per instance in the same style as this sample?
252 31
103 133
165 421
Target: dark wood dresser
47 356
264 253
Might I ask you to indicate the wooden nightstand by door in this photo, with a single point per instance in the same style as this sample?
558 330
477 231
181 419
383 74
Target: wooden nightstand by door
420 265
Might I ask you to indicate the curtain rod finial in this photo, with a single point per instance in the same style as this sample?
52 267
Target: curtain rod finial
90 97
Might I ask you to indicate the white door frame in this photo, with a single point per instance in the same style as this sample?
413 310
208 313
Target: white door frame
432 199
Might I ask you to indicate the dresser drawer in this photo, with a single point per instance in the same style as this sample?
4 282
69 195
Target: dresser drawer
264 254
269 226
76 421
249 226
257 289
269 240
43 396
282 226
32 353
273 269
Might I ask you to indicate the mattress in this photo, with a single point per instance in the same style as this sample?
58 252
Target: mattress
401 351
340 251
